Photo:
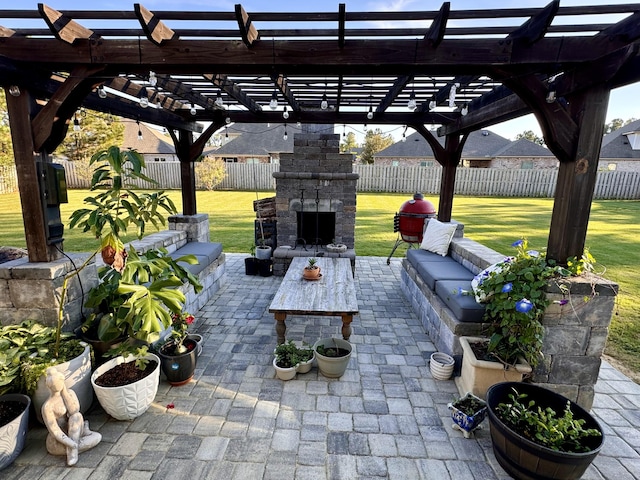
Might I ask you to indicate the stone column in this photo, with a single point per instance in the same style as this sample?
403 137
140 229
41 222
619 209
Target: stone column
196 226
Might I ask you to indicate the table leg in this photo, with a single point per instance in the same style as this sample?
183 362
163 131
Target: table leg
346 326
281 327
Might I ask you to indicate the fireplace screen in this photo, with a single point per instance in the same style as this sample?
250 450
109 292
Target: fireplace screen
316 228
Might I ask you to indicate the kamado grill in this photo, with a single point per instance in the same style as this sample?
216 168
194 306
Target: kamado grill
409 221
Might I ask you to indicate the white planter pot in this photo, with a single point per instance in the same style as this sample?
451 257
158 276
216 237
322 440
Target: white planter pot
128 401
478 375
441 366
305 367
332 367
14 433
263 253
77 374
284 373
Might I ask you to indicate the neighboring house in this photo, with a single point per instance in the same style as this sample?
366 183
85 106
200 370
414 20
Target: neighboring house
483 149
255 143
621 149
154 145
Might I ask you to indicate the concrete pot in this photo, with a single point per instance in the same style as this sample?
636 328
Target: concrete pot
441 365
14 433
332 367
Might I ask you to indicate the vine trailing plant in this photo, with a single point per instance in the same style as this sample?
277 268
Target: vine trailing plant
514 292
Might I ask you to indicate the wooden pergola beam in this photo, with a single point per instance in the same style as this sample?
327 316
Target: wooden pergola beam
436 32
63 27
233 90
6 32
282 84
154 29
248 31
393 92
534 29
342 20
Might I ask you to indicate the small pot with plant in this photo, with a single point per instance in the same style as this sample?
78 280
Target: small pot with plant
332 356
311 270
538 433
286 360
251 263
126 386
468 413
306 356
179 355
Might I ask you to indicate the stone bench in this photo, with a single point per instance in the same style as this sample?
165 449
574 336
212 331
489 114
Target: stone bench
432 283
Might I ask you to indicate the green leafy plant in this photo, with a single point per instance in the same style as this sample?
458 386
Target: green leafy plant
544 426
514 293
311 264
138 292
287 355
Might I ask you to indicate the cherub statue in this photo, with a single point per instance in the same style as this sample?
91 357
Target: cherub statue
69 433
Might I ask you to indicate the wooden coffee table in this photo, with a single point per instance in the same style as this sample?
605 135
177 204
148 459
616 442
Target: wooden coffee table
334 294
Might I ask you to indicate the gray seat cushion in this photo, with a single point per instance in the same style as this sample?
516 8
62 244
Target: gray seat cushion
432 272
205 252
417 255
464 307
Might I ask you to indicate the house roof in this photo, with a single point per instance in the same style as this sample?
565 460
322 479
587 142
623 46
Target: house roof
258 139
616 144
153 141
480 144
523 148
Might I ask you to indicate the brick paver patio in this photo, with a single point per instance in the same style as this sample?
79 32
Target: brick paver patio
385 418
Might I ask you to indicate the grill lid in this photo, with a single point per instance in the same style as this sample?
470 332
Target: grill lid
418 205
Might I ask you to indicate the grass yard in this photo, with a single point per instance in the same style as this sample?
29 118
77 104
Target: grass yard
614 230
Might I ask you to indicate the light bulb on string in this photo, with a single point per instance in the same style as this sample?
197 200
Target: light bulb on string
227 120
411 104
344 134
452 95
139 130
370 113
76 123
432 105
144 99
285 136
285 113
14 91
299 124
273 104
153 80
551 96
219 102
324 104
193 110
464 110
404 134
102 93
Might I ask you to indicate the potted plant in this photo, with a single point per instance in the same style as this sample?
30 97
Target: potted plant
538 433
441 365
514 292
251 263
332 355
137 292
179 355
306 356
468 413
286 360
126 386
29 348
311 270
14 422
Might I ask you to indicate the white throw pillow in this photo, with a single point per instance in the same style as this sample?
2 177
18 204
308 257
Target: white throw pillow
481 297
437 237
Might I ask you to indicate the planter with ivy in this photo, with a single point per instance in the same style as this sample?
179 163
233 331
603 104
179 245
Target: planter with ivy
537 433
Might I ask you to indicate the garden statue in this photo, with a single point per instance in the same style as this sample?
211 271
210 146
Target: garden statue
69 433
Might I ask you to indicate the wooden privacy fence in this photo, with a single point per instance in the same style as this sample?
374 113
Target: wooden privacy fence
377 178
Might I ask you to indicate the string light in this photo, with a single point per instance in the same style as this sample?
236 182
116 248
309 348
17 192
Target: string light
344 134
285 136
370 113
102 92
76 123
432 104
139 130
299 124
227 120
285 113
219 102
14 91
158 100
452 95
226 134
273 104
193 110
411 104
404 134
551 94
153 80
464 110
144 99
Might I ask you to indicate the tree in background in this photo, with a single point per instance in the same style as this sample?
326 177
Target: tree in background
374 141
532 137
616 123
98 131
209 173
348 144
6 146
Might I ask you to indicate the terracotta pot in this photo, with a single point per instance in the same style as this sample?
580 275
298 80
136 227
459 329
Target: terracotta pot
311 273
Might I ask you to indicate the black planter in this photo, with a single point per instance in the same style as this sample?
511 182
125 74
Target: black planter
178 368
523 459
99 347
251 266
265 268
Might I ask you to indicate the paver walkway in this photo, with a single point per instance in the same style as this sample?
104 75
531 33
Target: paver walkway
385 418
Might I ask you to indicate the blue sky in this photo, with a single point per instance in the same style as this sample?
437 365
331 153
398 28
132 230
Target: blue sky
623 102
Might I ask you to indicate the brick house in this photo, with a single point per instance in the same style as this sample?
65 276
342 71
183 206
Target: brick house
155 146
621 149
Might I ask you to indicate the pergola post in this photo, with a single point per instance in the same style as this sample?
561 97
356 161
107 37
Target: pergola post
26 160
577 178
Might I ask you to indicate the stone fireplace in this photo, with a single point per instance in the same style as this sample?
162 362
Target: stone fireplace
315 200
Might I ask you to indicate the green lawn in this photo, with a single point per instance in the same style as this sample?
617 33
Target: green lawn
614 230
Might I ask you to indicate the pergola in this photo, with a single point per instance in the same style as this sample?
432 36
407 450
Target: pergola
459 70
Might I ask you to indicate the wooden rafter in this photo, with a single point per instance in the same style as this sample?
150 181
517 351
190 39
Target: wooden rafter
534 29
282 84
155 30
248 31
438 27
233 90
6 32
394 91
342 20
184 91
63 27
